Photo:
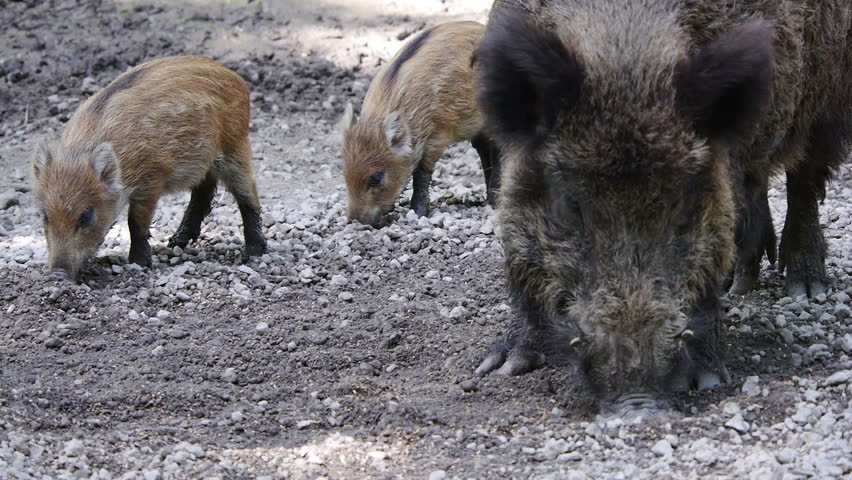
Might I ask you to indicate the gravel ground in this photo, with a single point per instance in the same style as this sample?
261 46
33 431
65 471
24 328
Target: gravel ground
346 352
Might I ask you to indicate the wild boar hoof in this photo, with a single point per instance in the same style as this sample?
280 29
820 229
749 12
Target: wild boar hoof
744 282
507 360
797 288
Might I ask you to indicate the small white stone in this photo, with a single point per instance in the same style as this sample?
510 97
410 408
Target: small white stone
262 327
839 378
438 475
73 448
738 423
751 386
786 455
662 448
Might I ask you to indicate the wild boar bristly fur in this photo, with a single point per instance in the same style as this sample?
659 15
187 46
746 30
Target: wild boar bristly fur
636 137
418 104
169 125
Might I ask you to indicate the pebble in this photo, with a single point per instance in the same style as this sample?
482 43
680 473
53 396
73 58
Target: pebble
229 375
178 334
346 296
751 386
842 312
469 385
704 451
9 199
73 448
662 448
738 424
786 455
339 280
839 378
458 312
262 327
804 414
438 475
552 448
845 343
303 424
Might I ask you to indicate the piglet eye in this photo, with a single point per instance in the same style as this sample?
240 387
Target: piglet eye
375 179
86 218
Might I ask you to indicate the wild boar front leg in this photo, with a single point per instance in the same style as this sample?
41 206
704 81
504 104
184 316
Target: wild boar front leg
200 203
755 233
521 349
700 364
802 244
139 217
489 155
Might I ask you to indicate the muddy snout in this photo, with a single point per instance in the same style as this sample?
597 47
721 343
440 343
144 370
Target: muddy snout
373 217
61 268
632 407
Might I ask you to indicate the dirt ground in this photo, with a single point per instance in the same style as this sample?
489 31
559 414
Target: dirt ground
345 352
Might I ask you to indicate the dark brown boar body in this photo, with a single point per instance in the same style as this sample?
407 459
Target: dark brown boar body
632 131
168 125
419 103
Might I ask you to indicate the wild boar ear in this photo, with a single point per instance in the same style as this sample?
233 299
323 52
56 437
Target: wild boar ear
106 166
527 77
397 135
348 118
726 87
42 159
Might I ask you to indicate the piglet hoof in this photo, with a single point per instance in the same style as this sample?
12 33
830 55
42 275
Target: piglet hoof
422 210
183 236
255 249
509 359
140 257
178 240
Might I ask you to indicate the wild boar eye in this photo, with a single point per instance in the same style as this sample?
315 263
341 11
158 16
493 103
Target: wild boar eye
375 179
44 216
86 218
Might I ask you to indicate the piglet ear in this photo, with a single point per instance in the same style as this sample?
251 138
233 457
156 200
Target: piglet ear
397 135
725 88
41 160
348 120
105 164
526 78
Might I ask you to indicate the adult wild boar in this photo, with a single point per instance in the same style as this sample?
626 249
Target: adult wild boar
632 130
168 125
419 103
